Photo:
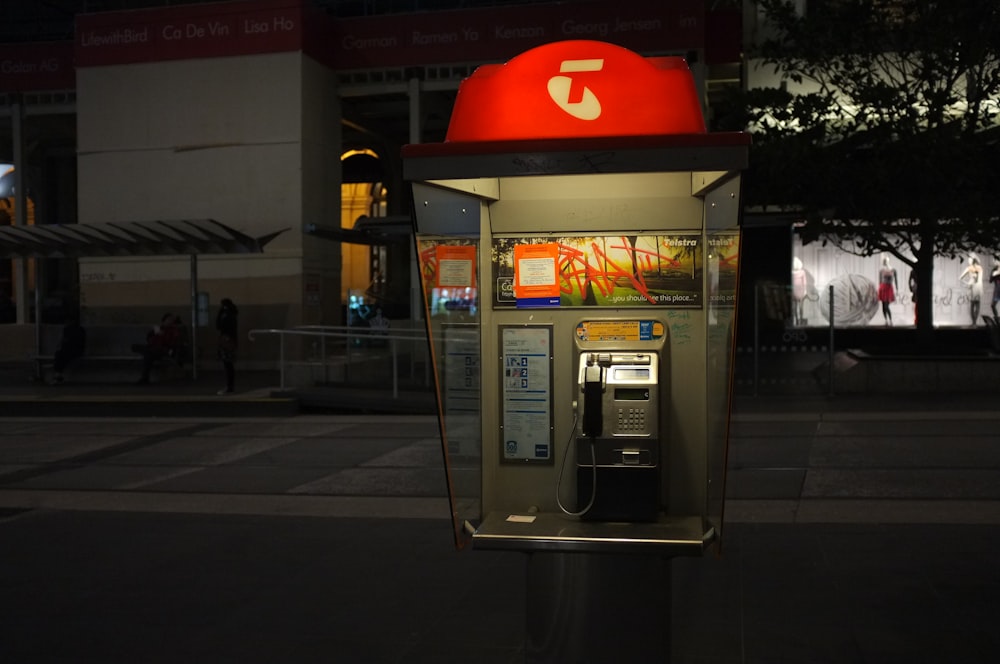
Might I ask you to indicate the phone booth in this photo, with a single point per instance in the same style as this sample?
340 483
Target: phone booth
578 241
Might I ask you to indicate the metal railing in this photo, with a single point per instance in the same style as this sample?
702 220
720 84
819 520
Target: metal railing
326 347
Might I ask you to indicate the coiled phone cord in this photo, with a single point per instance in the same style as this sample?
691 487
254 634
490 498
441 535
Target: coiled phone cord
562 469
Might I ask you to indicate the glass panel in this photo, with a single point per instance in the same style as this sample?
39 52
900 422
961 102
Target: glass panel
722 252
449 276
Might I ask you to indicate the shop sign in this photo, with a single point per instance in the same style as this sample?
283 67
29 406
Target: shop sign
481 34
313 287
496 34
37 66
190 31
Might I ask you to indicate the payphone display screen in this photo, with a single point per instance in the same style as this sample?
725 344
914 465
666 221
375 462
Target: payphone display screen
630 373
631 394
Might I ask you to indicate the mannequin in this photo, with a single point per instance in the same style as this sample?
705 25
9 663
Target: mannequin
972 277
995 280
800 286
888 284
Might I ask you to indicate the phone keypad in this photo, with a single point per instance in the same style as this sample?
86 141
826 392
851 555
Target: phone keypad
631 420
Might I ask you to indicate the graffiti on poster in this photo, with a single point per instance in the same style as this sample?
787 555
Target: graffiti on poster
723 261
613 270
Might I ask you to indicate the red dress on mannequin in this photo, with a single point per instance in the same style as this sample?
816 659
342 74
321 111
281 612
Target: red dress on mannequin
886 285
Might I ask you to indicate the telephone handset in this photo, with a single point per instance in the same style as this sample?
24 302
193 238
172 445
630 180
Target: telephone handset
593 394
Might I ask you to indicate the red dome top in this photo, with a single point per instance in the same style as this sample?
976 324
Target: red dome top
577 89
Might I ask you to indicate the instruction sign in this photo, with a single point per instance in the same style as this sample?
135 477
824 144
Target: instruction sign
619 330
526 393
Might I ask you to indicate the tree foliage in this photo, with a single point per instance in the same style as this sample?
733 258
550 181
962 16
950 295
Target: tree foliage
883 130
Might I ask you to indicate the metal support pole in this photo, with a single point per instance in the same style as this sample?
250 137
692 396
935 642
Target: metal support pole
281 359
395 370
412 350
322 354
756 337
21 211
830 363
347 357
194 316
416 296
38 316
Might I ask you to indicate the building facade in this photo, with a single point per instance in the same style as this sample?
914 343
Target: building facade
254 113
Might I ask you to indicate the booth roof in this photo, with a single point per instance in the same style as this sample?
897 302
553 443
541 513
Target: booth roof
543 145
128 238
720 151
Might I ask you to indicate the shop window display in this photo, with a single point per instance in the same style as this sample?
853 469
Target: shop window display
972 279
866 289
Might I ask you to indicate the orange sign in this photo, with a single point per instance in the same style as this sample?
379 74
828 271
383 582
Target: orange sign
535 271
577 89
456 266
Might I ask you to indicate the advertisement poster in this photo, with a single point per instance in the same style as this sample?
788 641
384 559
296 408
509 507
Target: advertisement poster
610 270
526 391
723 259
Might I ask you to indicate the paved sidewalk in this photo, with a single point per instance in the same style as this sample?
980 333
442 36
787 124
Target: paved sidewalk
859 531
21 394
258 393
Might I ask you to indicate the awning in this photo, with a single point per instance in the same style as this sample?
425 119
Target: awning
367 230
182 237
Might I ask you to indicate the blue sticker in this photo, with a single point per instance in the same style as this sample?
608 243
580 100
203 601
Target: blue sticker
537 302
541 451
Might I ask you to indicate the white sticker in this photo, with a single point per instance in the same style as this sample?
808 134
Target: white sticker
520 518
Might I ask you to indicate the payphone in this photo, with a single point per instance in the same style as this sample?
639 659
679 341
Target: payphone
603 247
618 438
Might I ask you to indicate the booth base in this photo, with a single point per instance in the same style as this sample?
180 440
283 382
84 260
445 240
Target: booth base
583 607
597 591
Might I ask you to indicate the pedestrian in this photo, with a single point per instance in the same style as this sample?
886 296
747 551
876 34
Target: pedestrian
162 341
71 346
227 325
